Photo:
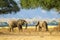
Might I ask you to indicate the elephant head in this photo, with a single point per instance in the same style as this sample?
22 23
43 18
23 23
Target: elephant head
22 22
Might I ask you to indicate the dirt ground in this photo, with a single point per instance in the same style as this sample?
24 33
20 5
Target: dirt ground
28 34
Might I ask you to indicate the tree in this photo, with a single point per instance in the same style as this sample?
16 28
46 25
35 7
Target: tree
8 6
44 4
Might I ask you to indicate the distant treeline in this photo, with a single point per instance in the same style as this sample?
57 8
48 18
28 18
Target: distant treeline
3 24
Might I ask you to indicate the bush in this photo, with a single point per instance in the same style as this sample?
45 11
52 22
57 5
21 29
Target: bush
58 27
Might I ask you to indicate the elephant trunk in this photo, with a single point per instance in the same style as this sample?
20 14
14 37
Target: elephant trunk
25 24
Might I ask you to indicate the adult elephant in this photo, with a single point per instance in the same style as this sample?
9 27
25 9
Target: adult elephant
42 25
17 23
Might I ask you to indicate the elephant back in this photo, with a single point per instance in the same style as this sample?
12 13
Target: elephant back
12 23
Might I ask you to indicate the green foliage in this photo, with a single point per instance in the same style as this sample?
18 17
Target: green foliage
8 6
44 4
27 4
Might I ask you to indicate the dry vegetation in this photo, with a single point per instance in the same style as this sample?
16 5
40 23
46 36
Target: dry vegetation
57 28
29 34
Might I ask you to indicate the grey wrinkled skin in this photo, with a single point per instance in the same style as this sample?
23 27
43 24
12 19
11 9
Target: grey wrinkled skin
42 25
19 23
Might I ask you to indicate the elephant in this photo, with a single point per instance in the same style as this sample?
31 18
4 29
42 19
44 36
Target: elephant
17 23
41 25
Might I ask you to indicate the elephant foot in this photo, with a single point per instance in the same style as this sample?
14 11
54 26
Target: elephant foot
9 29
35 29
25 28
40 29
20 30
47 30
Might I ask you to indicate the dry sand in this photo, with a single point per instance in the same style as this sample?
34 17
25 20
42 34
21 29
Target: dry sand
29 34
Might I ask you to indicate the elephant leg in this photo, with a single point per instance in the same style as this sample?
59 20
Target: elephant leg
36 28
46 29
39 28
26 28
20 27
10 29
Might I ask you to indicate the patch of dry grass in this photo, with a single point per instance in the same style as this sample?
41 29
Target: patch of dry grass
29 34
57 28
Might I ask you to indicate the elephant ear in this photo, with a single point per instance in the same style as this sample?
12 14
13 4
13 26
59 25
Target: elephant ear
20 21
